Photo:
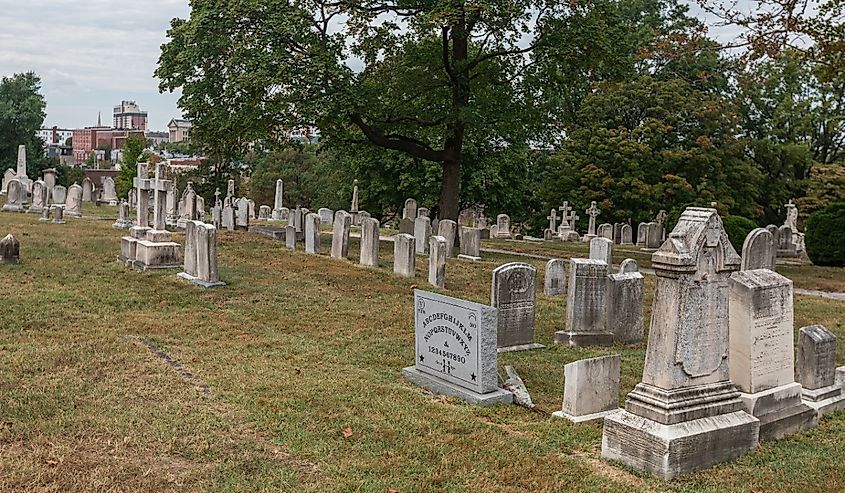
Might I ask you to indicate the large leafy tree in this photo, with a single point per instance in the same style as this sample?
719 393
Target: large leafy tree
21 115
419 77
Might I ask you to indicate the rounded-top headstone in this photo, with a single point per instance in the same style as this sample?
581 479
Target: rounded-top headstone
759 250
10 250
628 266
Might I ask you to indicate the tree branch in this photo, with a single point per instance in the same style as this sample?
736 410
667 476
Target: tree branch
395 142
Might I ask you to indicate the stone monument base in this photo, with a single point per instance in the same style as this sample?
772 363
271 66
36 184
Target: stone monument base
521 347
200 282
468 257
824 400
667 451
780 411
127 250
438 386
13 208
35 210
583 339
157 255
587 418
72 213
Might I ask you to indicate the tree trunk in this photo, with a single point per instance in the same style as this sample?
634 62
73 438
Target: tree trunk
450 189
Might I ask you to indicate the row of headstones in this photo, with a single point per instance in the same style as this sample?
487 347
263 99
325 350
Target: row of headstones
713 385
17 199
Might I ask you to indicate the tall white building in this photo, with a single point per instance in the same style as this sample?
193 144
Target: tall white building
128 116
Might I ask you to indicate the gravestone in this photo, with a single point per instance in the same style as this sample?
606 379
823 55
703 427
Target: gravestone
242 214
552 231
15 196
187 206
816 370
39 197
264 213
448 229
171 205
109 191
606 231
625 303
494 231
422 232
340 234
759 250
58 214
151 248
228 217
514 294
369 242
423 212
437 261
59 195
602 249
762 360
786 242
123 220
404 255
312 234
200 264
278 201
252 212
45 214
586 305
593 212
326 216
297 219
554 283
591 389
456 349
617 233
470 244
686 414
655 235
626 236
406 226
21 175
10 250
290 237
49 176
73 205
87 190
642 232
8 176
503 226
410 210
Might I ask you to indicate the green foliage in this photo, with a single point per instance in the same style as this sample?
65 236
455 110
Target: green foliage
312 177
647 145
21 115
738 228
825 236
825 186
132 152
68 175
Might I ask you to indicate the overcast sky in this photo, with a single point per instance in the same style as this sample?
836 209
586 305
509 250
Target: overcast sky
91 55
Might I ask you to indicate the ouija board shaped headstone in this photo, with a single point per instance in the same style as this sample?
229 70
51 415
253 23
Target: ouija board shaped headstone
455 349
514 294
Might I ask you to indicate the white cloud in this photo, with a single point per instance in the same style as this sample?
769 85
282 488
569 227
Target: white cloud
90 55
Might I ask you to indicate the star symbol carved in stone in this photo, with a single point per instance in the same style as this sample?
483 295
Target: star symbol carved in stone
422 358
473 377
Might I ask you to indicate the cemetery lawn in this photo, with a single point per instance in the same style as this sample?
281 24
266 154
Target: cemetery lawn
290 381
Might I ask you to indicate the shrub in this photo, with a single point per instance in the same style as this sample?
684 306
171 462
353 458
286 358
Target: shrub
738 228
825 236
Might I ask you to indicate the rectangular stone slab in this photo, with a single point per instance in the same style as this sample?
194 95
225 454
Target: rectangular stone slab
456 341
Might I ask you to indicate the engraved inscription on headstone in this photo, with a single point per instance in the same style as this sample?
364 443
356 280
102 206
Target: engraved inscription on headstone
456 349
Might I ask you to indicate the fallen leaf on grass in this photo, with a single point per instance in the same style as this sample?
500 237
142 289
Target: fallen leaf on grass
51 462
347 432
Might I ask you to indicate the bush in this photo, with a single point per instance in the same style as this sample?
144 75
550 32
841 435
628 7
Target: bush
825 236
738 228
